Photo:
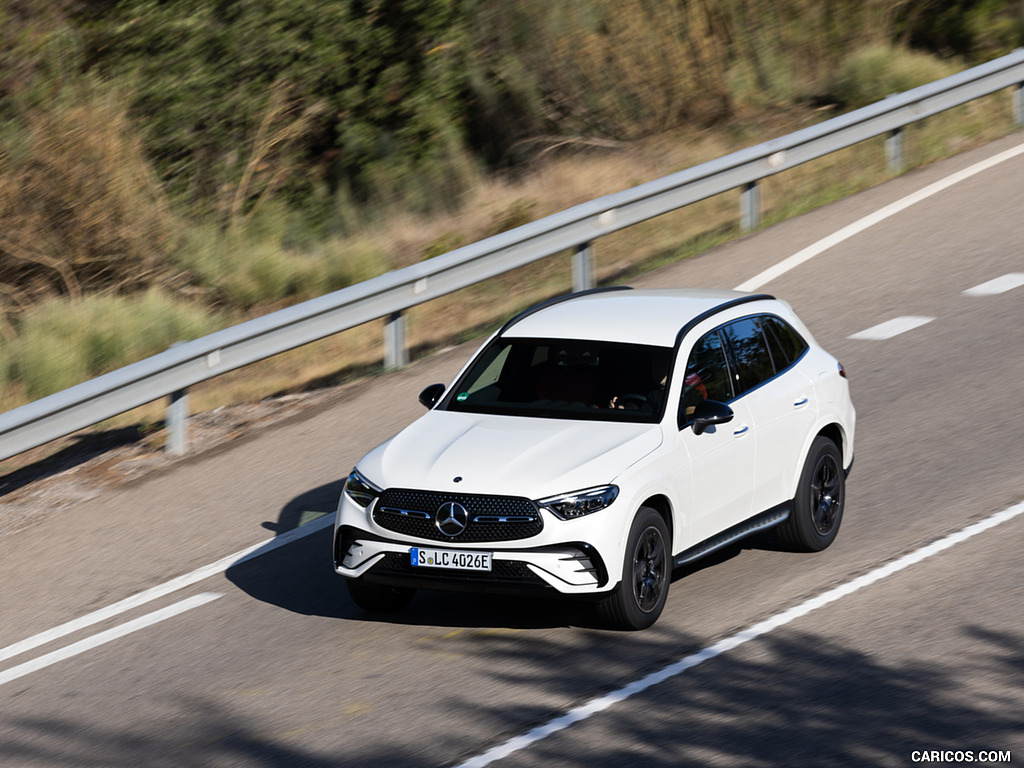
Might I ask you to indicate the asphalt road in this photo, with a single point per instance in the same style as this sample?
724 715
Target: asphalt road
265 662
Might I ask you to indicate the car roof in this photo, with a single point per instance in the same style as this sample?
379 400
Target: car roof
631 316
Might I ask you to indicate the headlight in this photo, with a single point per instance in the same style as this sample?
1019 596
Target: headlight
568 506
361 490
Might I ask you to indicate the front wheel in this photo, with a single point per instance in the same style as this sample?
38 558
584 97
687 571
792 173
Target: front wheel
378 597
646 572
818 506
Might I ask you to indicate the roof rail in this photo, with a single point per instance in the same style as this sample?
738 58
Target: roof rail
558 300
715 310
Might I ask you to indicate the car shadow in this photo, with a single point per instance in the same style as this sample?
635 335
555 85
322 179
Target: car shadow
295 571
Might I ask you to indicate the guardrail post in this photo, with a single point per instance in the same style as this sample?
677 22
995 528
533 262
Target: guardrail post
395 354
1018 104
176 423
750 206
894 150
583 268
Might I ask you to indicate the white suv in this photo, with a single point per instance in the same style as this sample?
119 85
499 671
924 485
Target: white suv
598 440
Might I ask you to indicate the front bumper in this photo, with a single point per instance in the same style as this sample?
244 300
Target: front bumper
572 568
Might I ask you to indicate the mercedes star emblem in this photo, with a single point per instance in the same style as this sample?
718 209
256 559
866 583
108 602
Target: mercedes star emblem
451 518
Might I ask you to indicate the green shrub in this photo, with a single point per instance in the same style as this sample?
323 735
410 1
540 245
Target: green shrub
366 83
50 364
873 73
445 242
61 343
977 30
520 212
265 260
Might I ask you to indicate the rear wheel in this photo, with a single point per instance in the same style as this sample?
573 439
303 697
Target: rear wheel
818 506
646 572
378 597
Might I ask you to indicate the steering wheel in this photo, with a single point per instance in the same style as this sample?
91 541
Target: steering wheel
634 399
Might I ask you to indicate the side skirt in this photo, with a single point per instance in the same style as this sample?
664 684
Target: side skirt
759 522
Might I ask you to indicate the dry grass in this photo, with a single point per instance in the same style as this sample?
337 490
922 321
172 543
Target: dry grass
81 208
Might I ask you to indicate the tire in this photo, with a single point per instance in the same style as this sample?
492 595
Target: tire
646 573
378 598
820 498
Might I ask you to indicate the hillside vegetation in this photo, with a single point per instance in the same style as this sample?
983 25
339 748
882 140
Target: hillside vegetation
167 168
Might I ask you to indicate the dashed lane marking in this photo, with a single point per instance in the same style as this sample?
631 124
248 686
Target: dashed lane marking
891 328
999 285
808 253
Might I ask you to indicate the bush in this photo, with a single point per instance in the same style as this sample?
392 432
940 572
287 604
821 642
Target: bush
264 260
61 343
977 30
379 83
613 69
871 74
80 207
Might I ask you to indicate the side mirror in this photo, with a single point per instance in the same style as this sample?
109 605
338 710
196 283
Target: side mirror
430 395
708 412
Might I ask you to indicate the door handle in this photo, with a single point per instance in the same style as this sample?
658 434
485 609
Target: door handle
801 403
741 431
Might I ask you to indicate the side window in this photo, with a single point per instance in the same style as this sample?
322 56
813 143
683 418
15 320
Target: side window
784 342
749 352
707 375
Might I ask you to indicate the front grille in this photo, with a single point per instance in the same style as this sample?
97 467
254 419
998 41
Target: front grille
491 518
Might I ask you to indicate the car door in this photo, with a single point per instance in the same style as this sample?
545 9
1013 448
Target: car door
765 351
721 458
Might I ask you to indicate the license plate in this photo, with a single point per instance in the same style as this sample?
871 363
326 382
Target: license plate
450 558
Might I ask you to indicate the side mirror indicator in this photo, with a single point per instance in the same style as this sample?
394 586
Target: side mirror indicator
430 395
708 412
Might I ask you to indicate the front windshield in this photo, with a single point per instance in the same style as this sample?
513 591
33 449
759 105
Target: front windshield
565 379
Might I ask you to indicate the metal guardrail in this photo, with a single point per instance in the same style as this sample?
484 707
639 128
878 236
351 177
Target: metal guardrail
172 372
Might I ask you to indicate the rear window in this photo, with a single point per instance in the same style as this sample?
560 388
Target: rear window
785 344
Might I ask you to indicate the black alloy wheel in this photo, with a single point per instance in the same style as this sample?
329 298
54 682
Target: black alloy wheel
818 506
646 574
826 494
649 576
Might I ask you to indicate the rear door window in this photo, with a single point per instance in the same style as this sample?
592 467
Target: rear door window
748 350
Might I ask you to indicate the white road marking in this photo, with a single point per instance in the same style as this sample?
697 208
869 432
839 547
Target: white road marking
161 590
878 216
999 285
601 703
114 633
891 328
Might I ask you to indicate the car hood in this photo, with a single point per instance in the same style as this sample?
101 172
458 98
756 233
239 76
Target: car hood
507 455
